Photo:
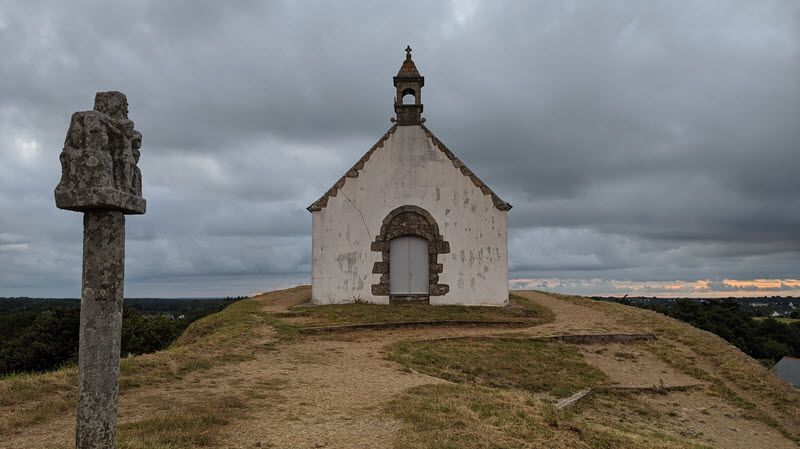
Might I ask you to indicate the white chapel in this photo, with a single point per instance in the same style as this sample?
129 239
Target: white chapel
409 221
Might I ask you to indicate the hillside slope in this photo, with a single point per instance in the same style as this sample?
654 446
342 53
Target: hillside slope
252 376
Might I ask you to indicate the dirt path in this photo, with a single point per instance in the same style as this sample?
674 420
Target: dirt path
333 394
573 319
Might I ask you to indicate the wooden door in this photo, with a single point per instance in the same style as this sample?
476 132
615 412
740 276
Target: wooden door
408 266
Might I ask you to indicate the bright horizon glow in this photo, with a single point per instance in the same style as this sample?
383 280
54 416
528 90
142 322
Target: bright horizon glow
703 288
252 285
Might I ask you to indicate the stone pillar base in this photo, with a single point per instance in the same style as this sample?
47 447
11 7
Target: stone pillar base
100 329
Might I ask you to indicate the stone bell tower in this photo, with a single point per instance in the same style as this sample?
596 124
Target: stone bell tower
408 101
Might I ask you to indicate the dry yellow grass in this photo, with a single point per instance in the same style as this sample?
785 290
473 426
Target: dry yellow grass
471 417
506 363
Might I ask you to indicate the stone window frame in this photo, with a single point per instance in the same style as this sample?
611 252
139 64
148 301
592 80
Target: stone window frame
394 226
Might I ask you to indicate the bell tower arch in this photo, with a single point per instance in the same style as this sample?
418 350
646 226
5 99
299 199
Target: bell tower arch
408 84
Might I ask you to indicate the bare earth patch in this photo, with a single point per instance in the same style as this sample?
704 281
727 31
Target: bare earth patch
633 365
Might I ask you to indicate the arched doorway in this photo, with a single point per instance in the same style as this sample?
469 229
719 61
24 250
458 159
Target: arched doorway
410 245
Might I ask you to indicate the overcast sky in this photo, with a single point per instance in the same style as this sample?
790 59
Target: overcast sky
647 147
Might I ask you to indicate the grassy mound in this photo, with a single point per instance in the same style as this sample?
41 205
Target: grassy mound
499 395
529 365
233 335
221 338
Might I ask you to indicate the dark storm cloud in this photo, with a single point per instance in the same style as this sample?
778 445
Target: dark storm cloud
647 141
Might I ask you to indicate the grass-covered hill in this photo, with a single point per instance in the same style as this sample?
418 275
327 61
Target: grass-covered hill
41 334
272 371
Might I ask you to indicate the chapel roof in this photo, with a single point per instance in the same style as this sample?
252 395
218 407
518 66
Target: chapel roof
408 115
359 165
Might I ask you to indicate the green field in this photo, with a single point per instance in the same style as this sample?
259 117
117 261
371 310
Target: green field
783 320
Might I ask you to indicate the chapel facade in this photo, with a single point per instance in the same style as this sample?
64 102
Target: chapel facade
409 221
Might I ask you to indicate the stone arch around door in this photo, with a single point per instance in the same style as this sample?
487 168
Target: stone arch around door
410 221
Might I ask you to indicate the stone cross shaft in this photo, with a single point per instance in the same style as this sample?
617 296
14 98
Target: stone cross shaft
100 178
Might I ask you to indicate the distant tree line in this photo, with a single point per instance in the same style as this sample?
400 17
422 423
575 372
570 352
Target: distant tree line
41 335
765 339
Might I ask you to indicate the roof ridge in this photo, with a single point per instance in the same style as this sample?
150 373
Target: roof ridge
352 173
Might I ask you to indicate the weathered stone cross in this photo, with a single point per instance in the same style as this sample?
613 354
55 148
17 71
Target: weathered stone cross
99 177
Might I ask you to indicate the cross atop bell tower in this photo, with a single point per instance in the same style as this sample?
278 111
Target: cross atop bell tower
408 101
